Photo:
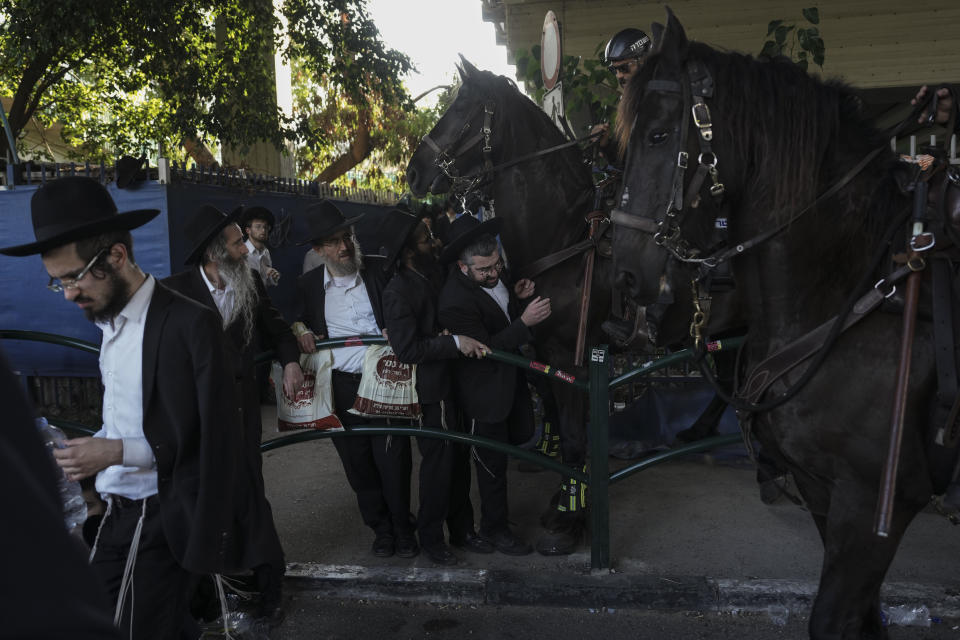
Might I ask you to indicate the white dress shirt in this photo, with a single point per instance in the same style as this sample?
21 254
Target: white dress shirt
501 296
259 260
121 369
223 298
348 312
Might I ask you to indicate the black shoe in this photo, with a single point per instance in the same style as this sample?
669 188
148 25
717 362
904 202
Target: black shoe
383 545
406 545
561 541
473 543
508 543
439 553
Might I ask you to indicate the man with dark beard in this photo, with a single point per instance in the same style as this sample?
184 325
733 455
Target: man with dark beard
475 301
341 299
222 280
164 459
410 311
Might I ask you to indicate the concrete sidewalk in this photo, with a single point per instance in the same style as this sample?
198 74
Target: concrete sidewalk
687 535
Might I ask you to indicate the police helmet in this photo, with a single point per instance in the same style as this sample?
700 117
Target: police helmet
626 44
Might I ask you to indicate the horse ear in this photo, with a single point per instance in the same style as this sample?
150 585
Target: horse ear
467 67
673 40
656 30
463 74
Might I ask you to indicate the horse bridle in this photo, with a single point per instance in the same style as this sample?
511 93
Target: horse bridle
666 232
447 156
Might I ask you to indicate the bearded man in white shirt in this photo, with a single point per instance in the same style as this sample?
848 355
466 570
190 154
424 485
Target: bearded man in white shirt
165 457
342 299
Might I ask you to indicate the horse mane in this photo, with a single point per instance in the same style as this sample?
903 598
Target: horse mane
790 132
506 95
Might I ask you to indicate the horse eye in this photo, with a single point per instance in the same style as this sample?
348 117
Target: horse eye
658 137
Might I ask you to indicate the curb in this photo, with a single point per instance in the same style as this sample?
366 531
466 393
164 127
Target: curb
594 590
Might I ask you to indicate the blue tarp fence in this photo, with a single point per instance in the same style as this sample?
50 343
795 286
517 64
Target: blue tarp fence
159 248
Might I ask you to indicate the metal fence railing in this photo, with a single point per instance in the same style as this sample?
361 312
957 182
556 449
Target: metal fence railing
598 386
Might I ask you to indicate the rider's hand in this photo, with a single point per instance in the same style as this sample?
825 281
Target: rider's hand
603 127
944 105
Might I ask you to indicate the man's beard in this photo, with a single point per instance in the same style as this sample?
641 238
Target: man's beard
245 297
118 295
339 269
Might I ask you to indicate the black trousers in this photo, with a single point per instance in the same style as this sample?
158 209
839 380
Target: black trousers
156 606
492 465
460 513
435 474
378 468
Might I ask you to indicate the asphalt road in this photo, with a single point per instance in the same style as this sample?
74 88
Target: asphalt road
316 618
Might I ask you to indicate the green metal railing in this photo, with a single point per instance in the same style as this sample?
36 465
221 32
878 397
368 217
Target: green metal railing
598 386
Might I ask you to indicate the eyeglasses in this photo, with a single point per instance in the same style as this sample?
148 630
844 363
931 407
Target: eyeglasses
57 285
335 242
623 67
489 271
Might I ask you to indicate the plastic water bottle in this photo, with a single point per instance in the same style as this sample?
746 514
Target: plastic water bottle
71 496
907 615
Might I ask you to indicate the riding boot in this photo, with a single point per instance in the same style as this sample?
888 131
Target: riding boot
566 527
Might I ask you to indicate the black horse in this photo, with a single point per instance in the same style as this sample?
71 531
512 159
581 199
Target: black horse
777 138
543 203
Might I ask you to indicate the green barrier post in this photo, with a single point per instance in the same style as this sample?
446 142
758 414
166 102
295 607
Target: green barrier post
599 452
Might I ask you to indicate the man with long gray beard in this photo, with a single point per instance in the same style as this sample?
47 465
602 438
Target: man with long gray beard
165 457
341 299
221 279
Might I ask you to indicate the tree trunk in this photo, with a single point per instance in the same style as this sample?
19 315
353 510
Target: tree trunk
359 149
199 152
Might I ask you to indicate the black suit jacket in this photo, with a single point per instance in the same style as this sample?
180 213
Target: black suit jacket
485 387
190 419
311 296
45 570
410 311
270 331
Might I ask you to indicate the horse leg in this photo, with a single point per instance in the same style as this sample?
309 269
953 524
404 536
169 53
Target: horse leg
847 606
566 522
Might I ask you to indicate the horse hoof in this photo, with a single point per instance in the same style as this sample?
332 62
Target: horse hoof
560 543
771 490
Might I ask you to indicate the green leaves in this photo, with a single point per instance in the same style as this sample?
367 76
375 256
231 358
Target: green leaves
122 76
587 83
808 39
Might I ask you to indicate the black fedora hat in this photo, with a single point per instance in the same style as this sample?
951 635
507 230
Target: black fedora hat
324 219
71 209
250 214
463 232
394 231
204 227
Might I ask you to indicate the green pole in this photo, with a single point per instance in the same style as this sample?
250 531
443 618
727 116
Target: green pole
599 451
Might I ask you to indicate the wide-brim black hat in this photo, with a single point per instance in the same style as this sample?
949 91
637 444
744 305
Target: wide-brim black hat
395 230
74 208
204 227
256 213
324 219
463 232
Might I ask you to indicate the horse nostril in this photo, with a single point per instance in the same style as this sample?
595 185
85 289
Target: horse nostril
624 281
